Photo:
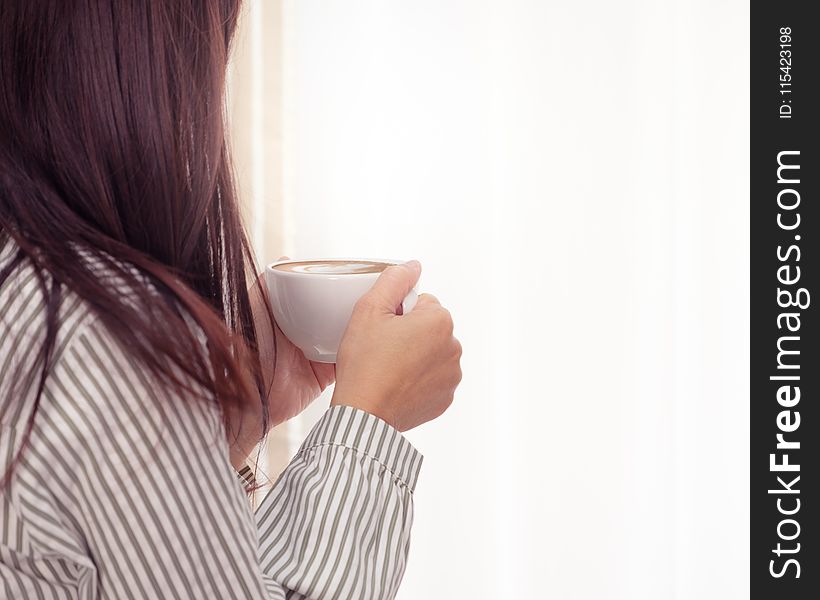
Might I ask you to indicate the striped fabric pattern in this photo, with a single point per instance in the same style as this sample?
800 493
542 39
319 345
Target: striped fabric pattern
126 491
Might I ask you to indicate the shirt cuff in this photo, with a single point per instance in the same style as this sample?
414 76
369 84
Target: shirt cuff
367 434
246 478
253 481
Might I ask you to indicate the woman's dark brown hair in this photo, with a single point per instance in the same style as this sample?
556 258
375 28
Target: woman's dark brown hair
112 145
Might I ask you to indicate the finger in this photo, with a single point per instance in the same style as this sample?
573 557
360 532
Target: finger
393 285
427 299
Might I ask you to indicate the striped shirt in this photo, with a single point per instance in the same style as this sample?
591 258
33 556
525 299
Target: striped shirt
126 490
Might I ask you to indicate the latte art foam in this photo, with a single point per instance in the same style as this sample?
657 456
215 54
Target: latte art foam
333 267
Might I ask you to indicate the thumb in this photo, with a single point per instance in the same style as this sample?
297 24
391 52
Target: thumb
393 285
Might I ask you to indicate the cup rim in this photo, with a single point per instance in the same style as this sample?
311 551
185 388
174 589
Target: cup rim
280 273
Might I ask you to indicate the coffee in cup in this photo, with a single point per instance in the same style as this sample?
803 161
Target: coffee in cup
312 300
333 267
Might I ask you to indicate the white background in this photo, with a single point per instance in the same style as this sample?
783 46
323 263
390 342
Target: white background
573 177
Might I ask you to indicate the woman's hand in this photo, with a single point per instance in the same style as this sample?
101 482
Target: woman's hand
293 385
403 369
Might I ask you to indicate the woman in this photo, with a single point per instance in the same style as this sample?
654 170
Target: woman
139 362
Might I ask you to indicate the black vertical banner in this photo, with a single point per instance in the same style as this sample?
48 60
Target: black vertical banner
785 227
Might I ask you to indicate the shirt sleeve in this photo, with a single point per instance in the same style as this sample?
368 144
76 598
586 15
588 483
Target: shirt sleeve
141 501
337 523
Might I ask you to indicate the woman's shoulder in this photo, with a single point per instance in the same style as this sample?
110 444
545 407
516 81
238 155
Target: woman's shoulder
98 397
24 308
28 300
92 381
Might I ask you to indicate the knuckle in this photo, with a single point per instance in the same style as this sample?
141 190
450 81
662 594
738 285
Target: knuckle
445 401
427 298
446 321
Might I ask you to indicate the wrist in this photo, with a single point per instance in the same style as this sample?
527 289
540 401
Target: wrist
368 405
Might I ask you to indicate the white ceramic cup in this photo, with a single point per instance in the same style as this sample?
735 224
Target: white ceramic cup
313 309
